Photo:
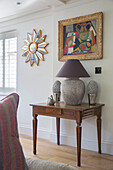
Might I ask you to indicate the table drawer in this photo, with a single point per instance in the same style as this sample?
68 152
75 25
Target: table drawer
39 109
69 112
52 110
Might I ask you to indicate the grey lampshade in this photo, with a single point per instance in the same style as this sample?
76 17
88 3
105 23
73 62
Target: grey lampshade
72 69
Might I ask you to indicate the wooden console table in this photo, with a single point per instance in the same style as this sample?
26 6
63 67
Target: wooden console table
77 113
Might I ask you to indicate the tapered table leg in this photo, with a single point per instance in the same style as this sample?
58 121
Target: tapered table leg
58 130
99 132
78 130
34 133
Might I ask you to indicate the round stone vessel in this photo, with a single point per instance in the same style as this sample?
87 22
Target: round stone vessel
73 91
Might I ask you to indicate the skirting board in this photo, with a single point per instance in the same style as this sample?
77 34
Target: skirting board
25 130
68 140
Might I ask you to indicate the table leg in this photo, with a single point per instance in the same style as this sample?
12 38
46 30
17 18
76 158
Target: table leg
99 132
34 133
58 130
78 131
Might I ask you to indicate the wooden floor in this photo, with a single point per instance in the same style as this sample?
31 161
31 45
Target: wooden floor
66 154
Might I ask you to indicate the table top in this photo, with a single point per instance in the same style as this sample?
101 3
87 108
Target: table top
62 105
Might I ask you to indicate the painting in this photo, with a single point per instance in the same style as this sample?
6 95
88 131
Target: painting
80 37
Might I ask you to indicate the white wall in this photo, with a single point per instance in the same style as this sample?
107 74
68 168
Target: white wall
104 80
35 83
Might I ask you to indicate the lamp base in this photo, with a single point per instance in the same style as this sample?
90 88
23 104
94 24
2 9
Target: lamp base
73 91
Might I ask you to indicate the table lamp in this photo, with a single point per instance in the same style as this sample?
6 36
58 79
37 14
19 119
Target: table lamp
73 88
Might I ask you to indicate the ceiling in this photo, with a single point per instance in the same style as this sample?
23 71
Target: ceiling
9 8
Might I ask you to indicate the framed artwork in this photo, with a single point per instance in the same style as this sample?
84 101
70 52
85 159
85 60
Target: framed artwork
81 37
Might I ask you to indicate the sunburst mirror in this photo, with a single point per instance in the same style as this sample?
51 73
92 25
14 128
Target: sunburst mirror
34 48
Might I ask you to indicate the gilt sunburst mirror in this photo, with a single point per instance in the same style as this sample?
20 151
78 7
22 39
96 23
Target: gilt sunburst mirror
35 47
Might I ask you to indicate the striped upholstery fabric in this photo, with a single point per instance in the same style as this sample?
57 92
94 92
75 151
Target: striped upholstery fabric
11 154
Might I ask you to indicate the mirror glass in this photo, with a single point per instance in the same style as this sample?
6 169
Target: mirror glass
32 47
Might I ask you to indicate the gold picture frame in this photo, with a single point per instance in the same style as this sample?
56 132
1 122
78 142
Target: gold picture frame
81 37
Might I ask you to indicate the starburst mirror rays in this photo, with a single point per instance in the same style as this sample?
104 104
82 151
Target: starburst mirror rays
34 48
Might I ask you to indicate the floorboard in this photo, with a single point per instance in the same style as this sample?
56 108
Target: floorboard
66 154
